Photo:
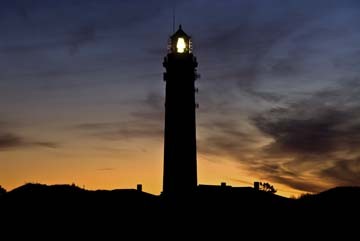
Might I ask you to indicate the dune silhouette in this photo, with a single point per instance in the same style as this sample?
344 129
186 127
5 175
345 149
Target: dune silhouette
72 209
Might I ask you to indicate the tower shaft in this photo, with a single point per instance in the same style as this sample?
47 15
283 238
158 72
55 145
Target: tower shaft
180 164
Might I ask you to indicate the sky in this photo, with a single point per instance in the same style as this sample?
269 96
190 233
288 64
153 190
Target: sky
82 95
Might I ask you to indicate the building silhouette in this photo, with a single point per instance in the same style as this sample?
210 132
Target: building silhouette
180 171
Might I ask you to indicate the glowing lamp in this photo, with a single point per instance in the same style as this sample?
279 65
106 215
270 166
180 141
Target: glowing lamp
180 45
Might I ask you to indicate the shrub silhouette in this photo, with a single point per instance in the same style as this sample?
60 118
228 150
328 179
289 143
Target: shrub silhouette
2 190
267 187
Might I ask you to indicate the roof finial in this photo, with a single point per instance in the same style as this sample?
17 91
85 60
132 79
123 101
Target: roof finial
180 27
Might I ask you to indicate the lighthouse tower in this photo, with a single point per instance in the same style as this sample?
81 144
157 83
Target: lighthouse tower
180 172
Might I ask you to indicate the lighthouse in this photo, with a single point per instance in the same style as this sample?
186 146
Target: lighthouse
180 167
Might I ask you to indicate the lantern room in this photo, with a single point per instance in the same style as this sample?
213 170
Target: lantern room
180 42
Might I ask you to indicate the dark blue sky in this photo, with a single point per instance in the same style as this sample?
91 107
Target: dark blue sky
81 91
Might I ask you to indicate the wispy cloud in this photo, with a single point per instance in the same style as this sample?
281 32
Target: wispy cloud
124 131
308 144
302 129
9 141
106 169
80 37
144 123
317 137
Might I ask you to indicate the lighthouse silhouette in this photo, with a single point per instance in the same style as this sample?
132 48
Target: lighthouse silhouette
180 168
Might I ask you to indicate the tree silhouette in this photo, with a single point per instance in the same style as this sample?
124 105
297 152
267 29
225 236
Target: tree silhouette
2 190
267 187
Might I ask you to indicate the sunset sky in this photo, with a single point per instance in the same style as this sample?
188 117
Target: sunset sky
82 95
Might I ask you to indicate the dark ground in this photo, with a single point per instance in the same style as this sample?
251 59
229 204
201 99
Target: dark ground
63 211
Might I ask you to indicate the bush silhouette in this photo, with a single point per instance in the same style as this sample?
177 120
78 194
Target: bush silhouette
2 190
267 187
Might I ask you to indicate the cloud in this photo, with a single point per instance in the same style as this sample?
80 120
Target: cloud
227 138
123 130
294 74
4 124
10 141
344 172
96 125
313 133
308 144
315 139
73 40
297 183
271 42
82 36
28 48
47 144
155 101
106 169
146 122
64 24
20 8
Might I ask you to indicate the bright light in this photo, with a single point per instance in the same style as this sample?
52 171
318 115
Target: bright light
180 45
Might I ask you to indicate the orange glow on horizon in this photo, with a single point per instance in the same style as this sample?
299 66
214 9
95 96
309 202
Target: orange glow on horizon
118 170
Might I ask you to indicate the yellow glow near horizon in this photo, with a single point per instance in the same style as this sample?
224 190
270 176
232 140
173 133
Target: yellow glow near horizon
95 164
115 169
180 45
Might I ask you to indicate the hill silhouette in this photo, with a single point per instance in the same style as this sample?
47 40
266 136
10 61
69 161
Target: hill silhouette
212 209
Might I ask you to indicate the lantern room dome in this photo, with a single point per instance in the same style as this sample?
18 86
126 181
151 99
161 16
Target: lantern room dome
180 42
180 33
